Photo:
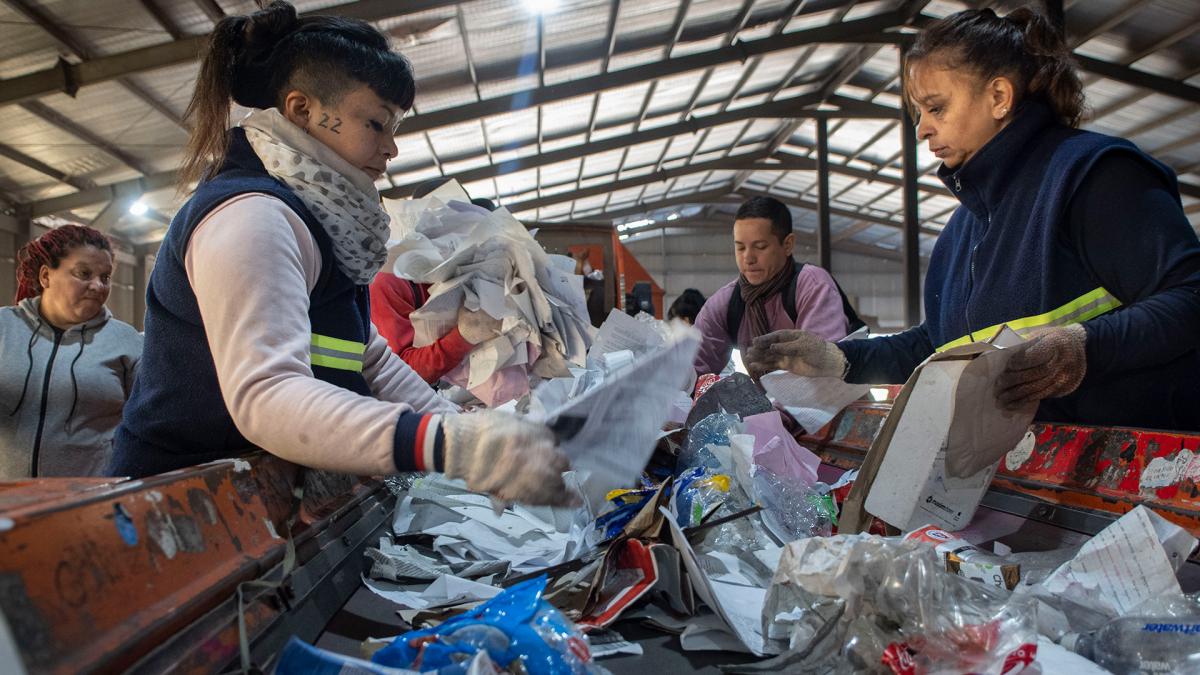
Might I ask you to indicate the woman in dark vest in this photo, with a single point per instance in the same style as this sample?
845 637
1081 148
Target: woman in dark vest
1075 239
258 330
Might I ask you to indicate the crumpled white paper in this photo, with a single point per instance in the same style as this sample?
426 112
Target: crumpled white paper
487 261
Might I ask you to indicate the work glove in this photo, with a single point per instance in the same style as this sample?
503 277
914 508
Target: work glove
508 457
1051 365
796 351
477 326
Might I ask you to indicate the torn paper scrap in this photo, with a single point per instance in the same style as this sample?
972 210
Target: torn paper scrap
614 427
1125 564
813 401
608 642
445 590
621 331
739 606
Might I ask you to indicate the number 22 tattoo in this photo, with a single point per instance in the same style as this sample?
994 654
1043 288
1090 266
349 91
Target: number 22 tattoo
337 122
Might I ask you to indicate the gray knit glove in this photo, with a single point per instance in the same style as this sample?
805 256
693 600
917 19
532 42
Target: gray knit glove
1052 364
797 351
507 457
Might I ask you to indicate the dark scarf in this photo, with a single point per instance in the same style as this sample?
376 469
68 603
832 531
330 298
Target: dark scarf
756 297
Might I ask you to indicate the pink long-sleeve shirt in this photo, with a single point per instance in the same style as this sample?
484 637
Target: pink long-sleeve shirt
818 309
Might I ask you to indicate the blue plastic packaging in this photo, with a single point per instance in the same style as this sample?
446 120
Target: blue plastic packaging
515 626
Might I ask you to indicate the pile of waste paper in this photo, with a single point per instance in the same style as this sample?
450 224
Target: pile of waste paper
487 261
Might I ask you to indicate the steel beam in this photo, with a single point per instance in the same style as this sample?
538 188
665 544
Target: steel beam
109 216
716 196
824 252
69 77
1140 78
101 194
1188 189
211 9
739 162
162 18
911 240
872 176
1110 22
44 169
810 205
849 232
848 32
793 107
688 226
739 21
78 49
55 118
613 13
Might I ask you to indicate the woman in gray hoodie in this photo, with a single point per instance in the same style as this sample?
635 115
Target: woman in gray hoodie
66 365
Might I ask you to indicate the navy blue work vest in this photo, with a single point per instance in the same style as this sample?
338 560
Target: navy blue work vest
176 416
1005 258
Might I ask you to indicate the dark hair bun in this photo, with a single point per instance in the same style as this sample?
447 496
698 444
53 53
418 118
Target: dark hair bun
261 33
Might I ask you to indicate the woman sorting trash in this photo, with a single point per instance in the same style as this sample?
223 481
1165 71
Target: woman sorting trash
1075 239
66 365
258 331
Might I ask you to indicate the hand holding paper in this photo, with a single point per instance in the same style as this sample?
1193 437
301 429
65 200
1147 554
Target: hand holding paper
506 456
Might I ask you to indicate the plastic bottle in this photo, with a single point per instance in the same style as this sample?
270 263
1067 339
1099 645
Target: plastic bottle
1140 644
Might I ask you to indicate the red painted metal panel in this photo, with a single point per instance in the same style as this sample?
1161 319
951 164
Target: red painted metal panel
1103 469
94 574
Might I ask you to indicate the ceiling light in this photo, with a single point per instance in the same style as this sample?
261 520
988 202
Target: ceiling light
541 6
138 208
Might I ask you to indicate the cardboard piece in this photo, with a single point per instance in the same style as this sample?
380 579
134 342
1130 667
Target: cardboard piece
628 572
946 414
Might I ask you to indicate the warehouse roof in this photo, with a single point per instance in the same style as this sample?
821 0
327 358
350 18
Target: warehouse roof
635 112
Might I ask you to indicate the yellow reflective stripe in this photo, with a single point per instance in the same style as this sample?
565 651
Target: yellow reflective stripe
337 363
337 344
1087 306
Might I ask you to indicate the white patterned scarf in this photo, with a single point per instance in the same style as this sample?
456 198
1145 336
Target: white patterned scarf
339 195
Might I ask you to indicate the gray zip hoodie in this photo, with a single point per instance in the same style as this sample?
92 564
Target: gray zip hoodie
61 392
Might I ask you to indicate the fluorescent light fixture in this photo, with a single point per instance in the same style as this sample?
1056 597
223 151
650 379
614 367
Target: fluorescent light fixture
138 208
634 224
673 216
541 6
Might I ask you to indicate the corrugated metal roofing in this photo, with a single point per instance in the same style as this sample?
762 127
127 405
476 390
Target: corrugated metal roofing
590 124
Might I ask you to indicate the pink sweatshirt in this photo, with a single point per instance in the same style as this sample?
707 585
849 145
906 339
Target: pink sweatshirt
252 273
818 309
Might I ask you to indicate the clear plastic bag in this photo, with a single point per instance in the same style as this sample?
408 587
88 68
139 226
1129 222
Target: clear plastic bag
716 429
862 603
792 510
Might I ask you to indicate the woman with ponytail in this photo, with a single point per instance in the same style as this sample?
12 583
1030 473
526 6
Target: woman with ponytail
66 365
258 331
1075 239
